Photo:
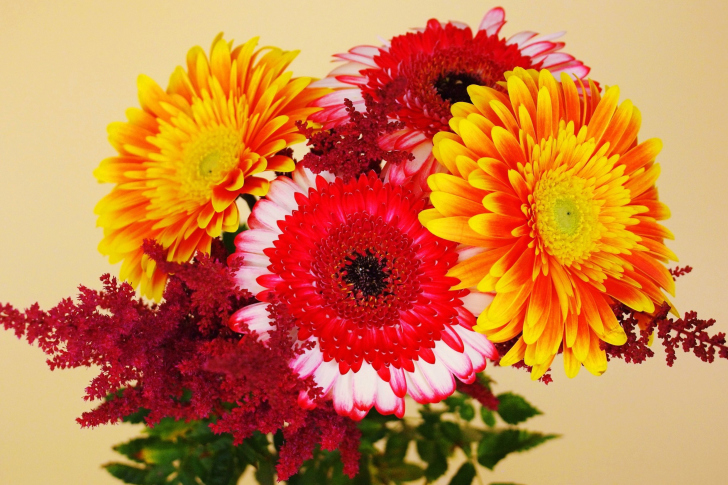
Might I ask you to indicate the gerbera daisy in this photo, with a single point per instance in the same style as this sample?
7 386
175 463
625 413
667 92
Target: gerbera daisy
554 190
187 154
367 286
437 64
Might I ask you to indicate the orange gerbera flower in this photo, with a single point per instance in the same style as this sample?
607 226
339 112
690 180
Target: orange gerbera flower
559 202
187 154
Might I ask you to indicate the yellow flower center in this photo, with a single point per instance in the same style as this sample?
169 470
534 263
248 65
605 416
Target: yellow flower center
567 216
207 159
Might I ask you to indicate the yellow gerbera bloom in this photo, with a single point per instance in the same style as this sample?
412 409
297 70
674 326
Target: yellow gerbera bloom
548 185
187 154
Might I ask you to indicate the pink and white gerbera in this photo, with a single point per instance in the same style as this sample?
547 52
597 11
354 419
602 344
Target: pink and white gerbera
437 64
366 284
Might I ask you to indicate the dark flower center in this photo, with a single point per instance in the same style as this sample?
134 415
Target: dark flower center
453 87
365 273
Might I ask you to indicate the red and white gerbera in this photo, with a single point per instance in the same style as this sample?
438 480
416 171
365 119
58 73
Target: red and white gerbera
436 64
366 284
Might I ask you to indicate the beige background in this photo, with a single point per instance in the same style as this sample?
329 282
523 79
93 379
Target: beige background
69 68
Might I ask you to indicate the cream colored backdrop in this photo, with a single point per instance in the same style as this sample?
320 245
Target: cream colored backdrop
69 68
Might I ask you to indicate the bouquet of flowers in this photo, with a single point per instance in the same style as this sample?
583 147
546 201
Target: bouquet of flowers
460 199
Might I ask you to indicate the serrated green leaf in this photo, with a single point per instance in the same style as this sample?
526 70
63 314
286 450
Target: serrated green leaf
515 409
170 429
497 445
464 475
162 452
132 449
396 448
406 472
126 473
488 416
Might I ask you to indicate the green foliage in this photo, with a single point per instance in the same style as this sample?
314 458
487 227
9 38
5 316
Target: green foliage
496 445
393 451
514 409
180 453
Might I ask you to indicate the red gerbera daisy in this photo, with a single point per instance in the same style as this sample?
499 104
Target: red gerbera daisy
438 63
367 286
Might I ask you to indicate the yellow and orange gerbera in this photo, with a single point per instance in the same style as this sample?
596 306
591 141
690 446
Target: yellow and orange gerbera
187 154
549 186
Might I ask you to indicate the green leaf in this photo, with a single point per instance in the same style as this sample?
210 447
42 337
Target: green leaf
488 416
426 450
265 474
222 471
126 473
496 445
464 475
514 409
132 449
162 452
406 472
467 412
396 448
170 429
437 464
451 431
137 417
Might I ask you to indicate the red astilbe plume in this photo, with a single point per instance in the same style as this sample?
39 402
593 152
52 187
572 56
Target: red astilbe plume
326 427
353 148
178 359
480 393
688 333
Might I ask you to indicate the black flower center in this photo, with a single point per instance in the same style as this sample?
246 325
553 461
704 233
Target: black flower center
365 273
453 87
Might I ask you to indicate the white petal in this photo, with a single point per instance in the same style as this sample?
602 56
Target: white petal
418 386
325 377
386 401
266 214
365 386
255 240
397 381
246 278
439 379
493 21
344 394
457 362
282 191
307 363
255 316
